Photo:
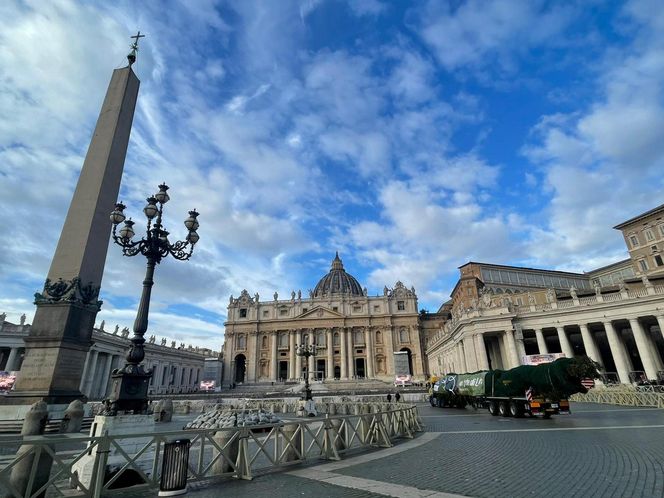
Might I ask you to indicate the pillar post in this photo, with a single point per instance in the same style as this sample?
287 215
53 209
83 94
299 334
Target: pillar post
344 353
330 353
589 344
483 360
351 363
644 351
291 355
91 374
370 355
541 343
660 322
565 346
105 374
273 345
11 361
511 348
617 352
462 357
298 359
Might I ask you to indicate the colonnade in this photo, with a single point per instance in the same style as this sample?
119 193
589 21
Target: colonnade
472 352
14 360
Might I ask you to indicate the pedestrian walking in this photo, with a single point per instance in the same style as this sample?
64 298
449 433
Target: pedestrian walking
389 398
397 396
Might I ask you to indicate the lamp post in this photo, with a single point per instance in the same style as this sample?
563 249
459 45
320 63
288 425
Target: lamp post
130 383
305 351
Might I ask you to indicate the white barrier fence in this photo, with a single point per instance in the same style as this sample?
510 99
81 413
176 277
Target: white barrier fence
213 453
622 395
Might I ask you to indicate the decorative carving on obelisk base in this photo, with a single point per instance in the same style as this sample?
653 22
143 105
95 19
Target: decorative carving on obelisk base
61 332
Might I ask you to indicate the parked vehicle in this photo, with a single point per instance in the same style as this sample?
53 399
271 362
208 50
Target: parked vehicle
541 390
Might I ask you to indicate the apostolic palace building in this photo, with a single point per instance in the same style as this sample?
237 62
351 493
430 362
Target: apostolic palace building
503 316
356 334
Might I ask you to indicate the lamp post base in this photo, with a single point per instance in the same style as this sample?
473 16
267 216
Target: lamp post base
129 392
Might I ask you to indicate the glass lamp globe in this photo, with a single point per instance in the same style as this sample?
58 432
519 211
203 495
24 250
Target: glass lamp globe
117 216
192 223
151 209
127 232
162 196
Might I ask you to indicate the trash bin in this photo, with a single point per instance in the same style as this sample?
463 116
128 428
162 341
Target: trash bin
174 468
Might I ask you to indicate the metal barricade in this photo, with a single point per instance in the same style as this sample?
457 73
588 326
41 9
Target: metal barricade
174 468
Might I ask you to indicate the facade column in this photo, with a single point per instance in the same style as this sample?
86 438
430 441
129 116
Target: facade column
351 361
511 348
520 348
469 354
330 354
565 346
462 357
480 348
344 353
541 343
251 354
105 374
91 374
86 367
370 352
617 352
11 361
298 359
291 355
275 370
644 351
589 344
389 360
660 322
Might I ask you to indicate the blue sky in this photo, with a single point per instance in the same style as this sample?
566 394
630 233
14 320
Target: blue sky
411 137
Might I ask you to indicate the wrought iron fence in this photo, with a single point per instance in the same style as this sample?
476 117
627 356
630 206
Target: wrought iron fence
214 453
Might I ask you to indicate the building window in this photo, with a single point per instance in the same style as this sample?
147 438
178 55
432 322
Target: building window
401 305
643 264
266 313
243 312
661 229
335 339
649 235
264 344
634 240
658 260
403 335
379 337
283 312
283 340
304 310
519 301
335 308
241 341
357 309
376 309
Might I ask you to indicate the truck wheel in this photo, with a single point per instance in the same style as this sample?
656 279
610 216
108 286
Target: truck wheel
493 408
516 410
502 409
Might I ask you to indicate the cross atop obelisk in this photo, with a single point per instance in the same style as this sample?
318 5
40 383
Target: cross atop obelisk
134 48
61 332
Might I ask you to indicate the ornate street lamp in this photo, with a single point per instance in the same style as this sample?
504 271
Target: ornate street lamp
305 351
130 383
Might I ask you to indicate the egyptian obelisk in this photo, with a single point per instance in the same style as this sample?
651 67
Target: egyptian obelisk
61 332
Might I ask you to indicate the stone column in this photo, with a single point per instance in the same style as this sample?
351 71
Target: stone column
511 349
86 367
617 352
565 346
541 343
469 354
351 362
370 353
344 353
273 341
660 322
462 357
312 368
291 354
252 366
589 344
330 354
644 351
480 348
298 359
91 374
11 361
105 374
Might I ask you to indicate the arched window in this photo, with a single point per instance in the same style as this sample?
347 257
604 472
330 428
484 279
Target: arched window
335 339
320 338
359 337
264 343
379 337
403 335
305 339
283 340
241 341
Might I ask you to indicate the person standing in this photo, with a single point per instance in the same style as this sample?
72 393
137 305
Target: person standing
397 396
389 398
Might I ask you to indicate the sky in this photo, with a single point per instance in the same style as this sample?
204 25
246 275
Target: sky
412 137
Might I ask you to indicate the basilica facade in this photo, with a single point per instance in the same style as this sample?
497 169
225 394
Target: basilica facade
356 335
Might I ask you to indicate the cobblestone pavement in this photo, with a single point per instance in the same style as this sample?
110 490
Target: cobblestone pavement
599 450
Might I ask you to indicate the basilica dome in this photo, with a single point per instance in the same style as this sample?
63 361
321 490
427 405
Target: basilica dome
338 282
